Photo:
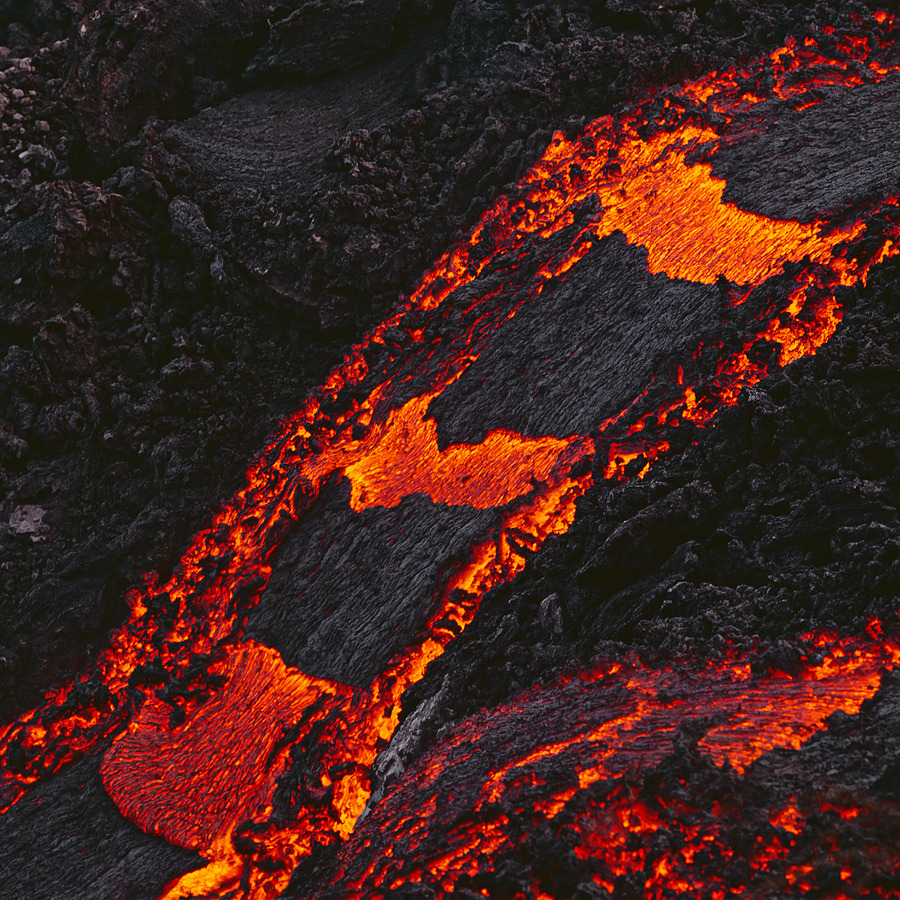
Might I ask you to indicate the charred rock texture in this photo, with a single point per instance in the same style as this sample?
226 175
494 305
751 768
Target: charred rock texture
133 61
819 176
72 824
325 609
616 323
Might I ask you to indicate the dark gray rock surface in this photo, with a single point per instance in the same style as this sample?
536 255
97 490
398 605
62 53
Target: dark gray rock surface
349 590
786 171
67 839
133 61
610 324
320 37
266 152
277 138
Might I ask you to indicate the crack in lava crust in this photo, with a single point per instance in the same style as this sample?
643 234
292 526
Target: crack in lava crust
202 767
598 726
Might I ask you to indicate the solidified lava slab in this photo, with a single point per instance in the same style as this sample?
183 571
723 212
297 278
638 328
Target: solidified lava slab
797 166
608 327
272 141
68 839
350 590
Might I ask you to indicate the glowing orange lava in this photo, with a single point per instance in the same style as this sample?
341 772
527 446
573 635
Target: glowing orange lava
601 726
164 776
400 457
202 768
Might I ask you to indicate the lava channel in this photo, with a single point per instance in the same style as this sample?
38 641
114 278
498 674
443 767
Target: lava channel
199 753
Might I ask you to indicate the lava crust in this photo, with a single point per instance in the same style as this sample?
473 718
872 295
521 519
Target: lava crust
565 337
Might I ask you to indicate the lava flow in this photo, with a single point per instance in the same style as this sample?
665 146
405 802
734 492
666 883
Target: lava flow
596 728
203 752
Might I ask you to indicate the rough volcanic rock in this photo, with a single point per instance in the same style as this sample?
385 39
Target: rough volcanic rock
610 327
262 159
350 589
784 172
132 61
172 289
26 23
320 37
72 822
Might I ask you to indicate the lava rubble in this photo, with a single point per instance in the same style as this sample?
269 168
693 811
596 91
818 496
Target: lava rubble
267 707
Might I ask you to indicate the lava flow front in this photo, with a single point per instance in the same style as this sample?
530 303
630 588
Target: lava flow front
240 709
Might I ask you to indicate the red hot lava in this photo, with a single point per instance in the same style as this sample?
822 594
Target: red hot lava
201 767
596 728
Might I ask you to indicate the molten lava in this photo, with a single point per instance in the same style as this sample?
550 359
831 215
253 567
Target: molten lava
229 741
201 760
598 727
400 457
